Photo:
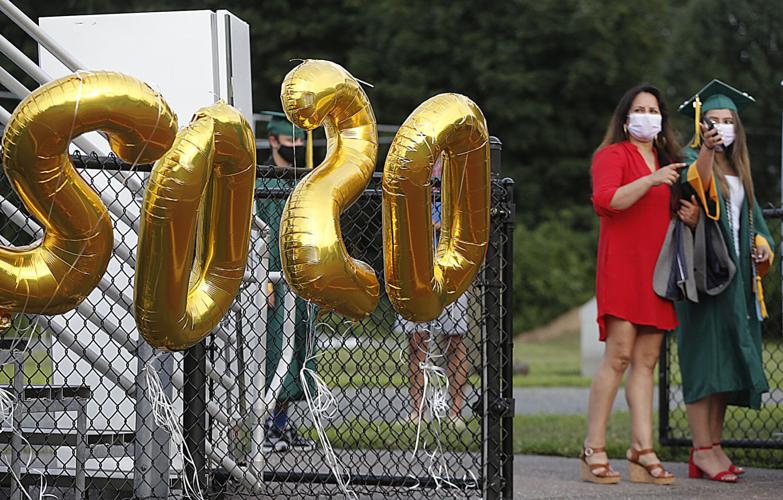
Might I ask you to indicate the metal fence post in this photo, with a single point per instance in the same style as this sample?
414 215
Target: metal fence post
152 450
17 449
194 418
507 341
492 348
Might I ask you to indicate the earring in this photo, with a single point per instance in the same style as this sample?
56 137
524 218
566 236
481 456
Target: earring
625 128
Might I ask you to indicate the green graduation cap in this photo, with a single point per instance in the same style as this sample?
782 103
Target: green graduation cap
279 124
714 95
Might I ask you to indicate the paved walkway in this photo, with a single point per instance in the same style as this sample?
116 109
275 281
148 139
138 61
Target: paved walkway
555 477
560 400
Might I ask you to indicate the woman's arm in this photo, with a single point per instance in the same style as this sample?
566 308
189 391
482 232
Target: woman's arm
706 158
627 195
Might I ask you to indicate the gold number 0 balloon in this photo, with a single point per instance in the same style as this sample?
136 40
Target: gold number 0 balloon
210 171
56 274
452 125
212 166
314 259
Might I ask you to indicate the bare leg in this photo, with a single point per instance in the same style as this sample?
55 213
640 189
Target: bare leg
639 394
417 344
457 372
699 417
717 417
620 338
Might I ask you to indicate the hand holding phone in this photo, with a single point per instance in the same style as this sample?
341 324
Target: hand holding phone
712 137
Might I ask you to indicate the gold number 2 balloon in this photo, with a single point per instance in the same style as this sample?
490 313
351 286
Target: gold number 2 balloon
54 275
314 259
201 189
451 126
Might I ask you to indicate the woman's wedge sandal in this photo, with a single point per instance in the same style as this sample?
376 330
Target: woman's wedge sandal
592 473
640 473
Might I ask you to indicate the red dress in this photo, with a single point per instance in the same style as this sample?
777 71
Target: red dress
630 241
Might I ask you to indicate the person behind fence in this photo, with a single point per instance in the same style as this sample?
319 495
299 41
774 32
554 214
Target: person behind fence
719 338
287 148
632 172
452 324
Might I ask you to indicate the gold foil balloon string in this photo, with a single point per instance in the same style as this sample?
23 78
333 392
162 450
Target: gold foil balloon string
313 255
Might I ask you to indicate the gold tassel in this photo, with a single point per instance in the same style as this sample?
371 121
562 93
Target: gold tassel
696 120
309 150
760 297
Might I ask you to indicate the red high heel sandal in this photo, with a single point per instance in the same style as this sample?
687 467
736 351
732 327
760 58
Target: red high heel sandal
734 469
694 472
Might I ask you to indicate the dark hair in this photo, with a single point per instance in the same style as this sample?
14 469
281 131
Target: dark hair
666 145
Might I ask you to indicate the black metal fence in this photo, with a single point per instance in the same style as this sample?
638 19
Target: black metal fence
82 421
758 433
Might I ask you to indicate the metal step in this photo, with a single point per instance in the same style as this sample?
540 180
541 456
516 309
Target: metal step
47 437
12 343
101 446
47 399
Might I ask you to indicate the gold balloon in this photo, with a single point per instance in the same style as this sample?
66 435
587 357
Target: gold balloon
453 126
199 201
314 259
54 275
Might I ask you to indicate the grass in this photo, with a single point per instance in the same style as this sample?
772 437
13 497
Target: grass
38 365
363 367
371 366
552 363
37 369
557 435
381 435
764 424
556 362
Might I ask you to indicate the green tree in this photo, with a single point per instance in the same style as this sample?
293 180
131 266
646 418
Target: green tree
741 43
554 266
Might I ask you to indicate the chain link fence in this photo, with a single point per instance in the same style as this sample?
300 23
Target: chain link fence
403 410
758 433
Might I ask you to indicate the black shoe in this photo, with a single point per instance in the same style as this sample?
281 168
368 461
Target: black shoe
295 441
274 440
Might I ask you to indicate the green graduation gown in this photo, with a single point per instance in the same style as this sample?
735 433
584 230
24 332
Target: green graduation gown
270 211
719 338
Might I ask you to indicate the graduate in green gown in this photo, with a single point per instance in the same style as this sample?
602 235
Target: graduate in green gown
287 147
719 338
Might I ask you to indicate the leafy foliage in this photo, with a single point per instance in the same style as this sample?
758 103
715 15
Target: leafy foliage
547 75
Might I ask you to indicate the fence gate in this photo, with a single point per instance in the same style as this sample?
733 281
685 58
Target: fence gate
82 424
760 433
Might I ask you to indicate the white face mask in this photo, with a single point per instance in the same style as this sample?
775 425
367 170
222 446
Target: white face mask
726 130
644 126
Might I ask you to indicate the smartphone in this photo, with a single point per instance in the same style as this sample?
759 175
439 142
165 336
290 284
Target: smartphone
711 125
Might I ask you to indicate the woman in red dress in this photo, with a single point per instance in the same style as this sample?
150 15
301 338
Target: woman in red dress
632 175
